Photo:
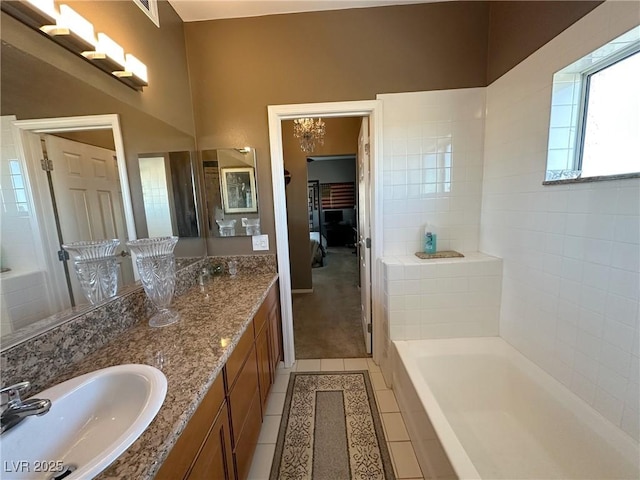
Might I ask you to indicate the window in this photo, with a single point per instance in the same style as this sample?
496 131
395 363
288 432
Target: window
20 203
594 129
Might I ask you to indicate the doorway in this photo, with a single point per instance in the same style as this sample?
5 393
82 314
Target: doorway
327 315
373 111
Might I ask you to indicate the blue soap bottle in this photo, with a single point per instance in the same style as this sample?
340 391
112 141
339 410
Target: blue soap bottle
430 239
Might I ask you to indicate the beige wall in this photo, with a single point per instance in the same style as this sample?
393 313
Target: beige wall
341 139
517 29
318 57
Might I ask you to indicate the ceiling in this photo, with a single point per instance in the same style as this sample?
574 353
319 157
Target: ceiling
196 10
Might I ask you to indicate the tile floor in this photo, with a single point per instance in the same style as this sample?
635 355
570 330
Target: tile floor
404 460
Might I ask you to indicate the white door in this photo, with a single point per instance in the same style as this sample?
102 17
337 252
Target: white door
89 199
364 235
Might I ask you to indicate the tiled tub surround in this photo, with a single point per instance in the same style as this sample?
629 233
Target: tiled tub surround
190 353
432 168
449 297
571 253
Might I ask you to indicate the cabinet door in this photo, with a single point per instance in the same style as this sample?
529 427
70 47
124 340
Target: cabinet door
185 451
241 396
246 445
275 335
215 460
264 364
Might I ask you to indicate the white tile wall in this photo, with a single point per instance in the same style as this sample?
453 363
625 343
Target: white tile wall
458 297
23 291
571 252
18 249
24 299
432 168
153 178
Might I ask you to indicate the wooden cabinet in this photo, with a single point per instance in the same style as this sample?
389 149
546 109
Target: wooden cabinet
219 441
215 460
264 364
204 447
267 326
274 323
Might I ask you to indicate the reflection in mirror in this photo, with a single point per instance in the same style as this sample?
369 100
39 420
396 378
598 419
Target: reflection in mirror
231 192
168 191
59 191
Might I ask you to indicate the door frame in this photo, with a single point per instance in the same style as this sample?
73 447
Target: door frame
278 113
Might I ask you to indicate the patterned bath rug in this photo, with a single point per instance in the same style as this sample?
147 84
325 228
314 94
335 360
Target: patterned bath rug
331 430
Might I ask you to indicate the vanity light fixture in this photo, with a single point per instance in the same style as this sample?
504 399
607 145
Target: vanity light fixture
34 13
71 20
71 30
108 55
75 33
110 48
135 72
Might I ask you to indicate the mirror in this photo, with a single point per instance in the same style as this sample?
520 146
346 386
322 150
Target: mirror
168 192
34 89
79 192
231 192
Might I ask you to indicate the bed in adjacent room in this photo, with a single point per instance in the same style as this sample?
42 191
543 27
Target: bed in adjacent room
318 245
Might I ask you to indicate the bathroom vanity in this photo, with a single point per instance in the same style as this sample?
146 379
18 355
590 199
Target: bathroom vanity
219 360
221 436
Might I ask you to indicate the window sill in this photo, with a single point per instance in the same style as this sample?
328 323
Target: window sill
602 178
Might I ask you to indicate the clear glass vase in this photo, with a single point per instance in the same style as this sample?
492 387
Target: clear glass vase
227 228
96 268
157 268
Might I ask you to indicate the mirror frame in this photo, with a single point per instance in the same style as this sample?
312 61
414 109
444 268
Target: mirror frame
56 125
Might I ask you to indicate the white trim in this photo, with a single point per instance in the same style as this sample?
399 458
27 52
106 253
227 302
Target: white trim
151 12
277 113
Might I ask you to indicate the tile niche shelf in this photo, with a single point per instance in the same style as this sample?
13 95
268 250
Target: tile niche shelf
39 20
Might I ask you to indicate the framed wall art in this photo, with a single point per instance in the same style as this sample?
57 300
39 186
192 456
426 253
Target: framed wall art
239 190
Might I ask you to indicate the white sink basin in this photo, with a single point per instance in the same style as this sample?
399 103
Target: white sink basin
92 420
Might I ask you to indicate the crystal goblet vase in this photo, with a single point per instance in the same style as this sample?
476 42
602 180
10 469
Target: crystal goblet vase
96 267
157 268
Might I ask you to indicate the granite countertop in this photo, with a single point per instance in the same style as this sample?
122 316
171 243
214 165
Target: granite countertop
191 353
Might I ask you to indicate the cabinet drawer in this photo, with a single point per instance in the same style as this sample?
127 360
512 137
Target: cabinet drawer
238 356
186 448
246 445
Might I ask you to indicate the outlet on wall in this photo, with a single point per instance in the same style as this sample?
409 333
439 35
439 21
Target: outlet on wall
260 242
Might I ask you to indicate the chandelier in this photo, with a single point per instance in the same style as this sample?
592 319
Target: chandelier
309 131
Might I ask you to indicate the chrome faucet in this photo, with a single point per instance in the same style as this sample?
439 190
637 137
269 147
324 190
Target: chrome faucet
13 410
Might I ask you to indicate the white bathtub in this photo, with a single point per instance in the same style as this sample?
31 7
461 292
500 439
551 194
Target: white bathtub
477 408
